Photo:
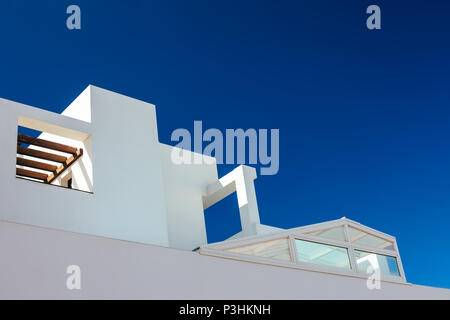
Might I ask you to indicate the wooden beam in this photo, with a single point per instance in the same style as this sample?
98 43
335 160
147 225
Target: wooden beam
31 174
36 164
46 144
64 166
41 154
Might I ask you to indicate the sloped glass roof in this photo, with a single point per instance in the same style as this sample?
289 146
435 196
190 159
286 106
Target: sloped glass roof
340 246
364 238
277 249
337 233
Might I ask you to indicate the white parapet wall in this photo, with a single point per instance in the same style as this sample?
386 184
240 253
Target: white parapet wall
34 261
184 185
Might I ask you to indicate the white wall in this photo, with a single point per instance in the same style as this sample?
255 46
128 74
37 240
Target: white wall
136 192
34 261
184 186
128 193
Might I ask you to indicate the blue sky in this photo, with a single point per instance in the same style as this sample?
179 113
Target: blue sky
363 115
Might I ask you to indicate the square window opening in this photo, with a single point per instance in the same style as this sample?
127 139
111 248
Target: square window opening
55 160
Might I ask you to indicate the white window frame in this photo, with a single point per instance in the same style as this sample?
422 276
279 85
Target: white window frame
219 249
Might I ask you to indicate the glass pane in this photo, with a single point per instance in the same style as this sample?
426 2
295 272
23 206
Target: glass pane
323 254
363 238
275 249
369 262
337 233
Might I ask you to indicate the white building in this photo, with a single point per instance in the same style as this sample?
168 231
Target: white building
97 189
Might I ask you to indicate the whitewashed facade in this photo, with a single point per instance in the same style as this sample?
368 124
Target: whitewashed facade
133 218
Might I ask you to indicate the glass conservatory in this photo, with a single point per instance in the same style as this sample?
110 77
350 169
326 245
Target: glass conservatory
341 246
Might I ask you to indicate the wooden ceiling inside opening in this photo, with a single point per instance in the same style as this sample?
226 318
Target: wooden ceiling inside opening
49 171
